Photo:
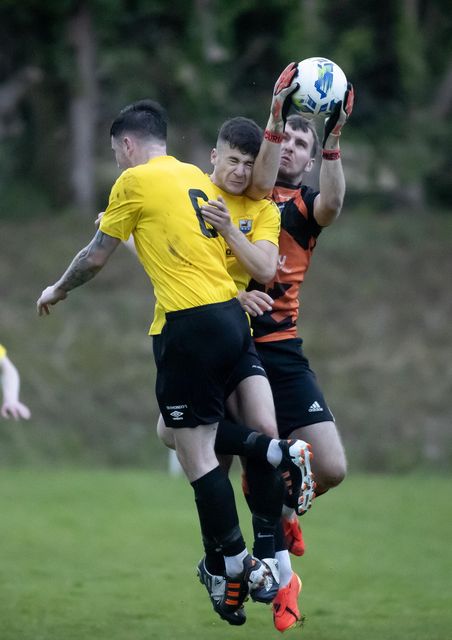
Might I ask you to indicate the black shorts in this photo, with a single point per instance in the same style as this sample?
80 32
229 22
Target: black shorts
248 365
195 356
298 399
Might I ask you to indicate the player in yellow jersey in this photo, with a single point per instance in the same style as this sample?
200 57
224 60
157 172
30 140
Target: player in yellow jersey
303 216
256 220
11 406
251 230
249 396
286 611
157 199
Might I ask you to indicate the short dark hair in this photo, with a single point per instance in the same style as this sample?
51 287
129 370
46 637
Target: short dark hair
243 134
143 118
298 123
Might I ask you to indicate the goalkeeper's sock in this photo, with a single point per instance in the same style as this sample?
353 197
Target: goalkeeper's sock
265 496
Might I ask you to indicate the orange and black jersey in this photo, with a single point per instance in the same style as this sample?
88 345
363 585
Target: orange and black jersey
299 233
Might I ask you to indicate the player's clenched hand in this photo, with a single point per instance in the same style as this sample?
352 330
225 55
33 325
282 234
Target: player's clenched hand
285 86
50 296
216 213
255 302
341 113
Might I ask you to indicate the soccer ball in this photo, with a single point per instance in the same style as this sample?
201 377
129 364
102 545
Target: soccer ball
322 84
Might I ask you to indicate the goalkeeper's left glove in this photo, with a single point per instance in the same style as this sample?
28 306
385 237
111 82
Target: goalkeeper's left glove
341 113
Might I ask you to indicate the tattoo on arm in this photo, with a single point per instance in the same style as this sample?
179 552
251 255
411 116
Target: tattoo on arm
78 272
88 262
101 239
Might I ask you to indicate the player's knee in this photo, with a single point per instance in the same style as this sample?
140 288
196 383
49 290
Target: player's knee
329 477
268 427
336 474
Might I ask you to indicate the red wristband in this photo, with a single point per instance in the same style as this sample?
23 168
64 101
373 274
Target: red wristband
331 154
273 137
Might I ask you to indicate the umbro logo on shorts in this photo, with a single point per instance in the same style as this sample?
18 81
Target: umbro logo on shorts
175 413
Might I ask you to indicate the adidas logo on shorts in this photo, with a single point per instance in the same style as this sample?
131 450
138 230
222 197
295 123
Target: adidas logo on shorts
315 407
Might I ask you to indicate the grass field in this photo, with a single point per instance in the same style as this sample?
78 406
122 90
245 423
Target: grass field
103 555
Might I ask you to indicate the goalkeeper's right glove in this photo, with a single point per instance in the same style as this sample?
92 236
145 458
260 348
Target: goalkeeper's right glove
285 86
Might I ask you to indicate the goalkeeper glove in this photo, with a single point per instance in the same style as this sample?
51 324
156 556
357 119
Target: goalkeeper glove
284 88
341 113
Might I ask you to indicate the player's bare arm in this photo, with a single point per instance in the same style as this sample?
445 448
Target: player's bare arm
11 407
328 204
266 165
86 264
259 259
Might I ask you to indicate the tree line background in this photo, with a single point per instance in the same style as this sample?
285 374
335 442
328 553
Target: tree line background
376 306
67 67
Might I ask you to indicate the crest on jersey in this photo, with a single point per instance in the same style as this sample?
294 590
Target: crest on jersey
245 225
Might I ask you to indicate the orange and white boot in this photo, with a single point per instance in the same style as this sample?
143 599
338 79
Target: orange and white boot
286 613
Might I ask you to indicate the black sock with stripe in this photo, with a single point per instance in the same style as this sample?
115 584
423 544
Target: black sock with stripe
215 501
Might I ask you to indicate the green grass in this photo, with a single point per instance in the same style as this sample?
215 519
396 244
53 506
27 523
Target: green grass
97 555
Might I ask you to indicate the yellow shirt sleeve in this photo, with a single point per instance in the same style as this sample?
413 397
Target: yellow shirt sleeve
124 207
268 223
2 352
258 220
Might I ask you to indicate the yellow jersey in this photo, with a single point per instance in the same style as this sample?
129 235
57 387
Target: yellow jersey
2 352
158 202
257 219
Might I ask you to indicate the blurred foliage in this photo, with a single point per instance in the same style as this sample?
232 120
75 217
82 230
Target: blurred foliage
207 60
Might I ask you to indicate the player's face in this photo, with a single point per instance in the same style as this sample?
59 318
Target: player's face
120 150
296 155
232 168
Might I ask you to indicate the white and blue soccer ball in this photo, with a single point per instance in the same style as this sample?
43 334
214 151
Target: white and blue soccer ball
322 84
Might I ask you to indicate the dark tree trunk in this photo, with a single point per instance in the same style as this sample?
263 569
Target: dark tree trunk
83 109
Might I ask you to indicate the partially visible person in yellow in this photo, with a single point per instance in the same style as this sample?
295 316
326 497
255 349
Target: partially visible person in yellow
10 383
